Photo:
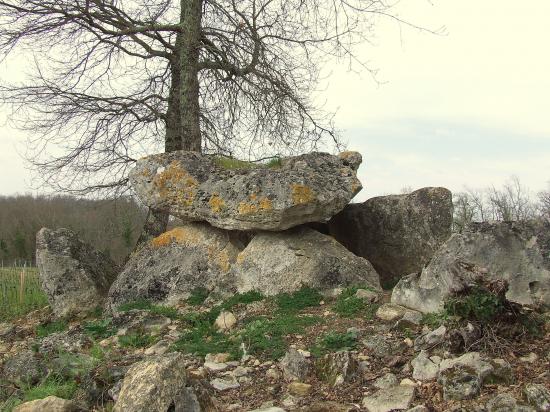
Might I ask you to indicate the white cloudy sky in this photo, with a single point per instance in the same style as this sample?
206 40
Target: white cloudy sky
471 107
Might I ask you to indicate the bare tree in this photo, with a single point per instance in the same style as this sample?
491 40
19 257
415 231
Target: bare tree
113 80
544 198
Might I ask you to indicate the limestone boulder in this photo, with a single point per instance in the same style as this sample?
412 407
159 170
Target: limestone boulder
274 263
245 196
515 252
398 234
170 266
156 384
74 276
49 404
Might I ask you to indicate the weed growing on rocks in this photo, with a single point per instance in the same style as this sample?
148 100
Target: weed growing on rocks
166 311
46 329
99 329
198 296
334 342
304 298
136 340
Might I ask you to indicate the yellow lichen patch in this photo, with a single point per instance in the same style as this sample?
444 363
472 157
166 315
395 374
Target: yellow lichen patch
246 208
302 194
178 234
253 197
240 258
216 203
266 204
176 184
355 187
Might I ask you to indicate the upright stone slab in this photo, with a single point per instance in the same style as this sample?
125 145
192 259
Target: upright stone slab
398 234
170 266
245 196
516 252
273 263
74 276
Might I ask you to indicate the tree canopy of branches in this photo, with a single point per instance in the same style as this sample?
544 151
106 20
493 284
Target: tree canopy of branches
512 202
112 80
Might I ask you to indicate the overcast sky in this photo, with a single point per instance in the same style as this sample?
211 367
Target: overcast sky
471 107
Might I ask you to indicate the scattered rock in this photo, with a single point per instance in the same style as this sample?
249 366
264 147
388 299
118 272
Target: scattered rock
398 234
515 252
268 409
395 398
473 360
224 384
273 263
295 365
505 402
501 374
217 357
24 368
410 320
273 374
328 406
386 381
337 368
390 313
419 408
49 404
307 188
225 320
459 382
299 388
156 384
73 341
169 267
382 347
431 339
538 396
215 367
74 276
424 369
529 358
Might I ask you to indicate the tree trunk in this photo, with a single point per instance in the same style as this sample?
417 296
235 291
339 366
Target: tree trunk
183 113
190 20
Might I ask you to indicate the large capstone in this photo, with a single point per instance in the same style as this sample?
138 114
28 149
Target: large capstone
515 252
244 196
74 276
398 234
169 267
284 262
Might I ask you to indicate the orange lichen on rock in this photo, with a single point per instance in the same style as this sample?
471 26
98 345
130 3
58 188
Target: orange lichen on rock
178 234
255 206
176 184
302 194
216 203
266 204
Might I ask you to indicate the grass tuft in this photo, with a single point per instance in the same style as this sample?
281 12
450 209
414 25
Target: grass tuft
143 304
304 298
334 342
136 340
198 296
51 327
99 329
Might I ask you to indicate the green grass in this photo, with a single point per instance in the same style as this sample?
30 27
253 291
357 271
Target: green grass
478 305
20 293
304 298
143 304
51 386
46 329
136 340
198 296
334 342
99 329
261 336
349 307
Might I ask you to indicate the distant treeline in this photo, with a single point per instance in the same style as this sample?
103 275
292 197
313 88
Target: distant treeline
111 226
